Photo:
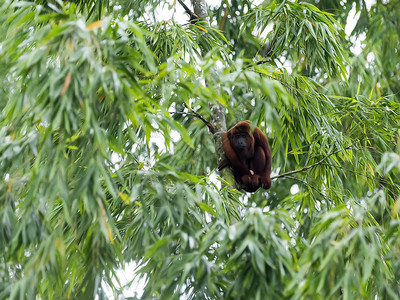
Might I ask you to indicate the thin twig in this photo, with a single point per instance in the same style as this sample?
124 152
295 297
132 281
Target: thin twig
192 15
351 171
210 126
193 113
264 61
221 27
317 163
274 78
309 185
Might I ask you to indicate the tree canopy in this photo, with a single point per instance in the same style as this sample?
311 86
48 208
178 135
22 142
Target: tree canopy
111 119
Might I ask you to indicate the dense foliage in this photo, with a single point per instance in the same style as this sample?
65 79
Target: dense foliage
105 163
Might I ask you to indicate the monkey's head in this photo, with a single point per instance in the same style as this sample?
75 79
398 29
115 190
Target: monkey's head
242 140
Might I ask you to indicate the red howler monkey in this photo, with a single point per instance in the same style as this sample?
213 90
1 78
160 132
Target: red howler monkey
249 156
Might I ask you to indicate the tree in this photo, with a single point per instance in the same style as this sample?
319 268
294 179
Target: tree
108 117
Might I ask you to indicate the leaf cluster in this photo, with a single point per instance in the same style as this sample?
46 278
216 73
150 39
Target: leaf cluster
104 166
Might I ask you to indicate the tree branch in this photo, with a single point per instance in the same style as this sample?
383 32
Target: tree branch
264 61
210 126
193 113
221 27
192 15
317 163
351 171
272 77
310 186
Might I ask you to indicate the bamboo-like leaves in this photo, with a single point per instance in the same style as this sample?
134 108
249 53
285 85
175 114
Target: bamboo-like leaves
305 32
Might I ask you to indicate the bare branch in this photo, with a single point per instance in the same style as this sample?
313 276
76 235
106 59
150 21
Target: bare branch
221 27
309 185
273 78
317 163
264 61
193 113
351 171
210 126
192 15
